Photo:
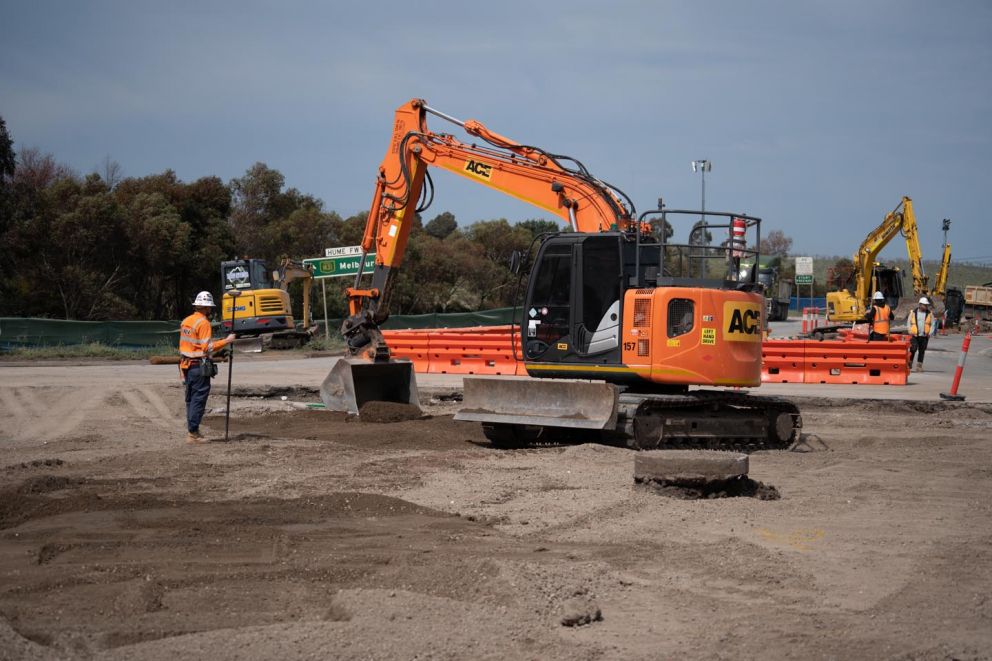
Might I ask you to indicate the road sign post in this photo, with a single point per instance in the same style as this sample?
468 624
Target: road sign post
804 275
341 263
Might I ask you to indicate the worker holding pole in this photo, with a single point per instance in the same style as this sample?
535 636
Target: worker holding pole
196 348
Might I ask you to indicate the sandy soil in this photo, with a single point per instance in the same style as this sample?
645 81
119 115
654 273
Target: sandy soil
312 535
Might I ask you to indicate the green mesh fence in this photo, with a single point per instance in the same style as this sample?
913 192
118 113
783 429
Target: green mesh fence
19 332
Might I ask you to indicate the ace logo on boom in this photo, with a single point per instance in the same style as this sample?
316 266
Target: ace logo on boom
741 322
480 170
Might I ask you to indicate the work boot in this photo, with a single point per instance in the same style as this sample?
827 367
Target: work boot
195 438
919 367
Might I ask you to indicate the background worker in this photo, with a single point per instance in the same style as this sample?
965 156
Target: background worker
921 326
196 347
879 315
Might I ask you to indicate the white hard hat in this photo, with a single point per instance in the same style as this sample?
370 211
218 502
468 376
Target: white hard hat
879 296
924 300
204 300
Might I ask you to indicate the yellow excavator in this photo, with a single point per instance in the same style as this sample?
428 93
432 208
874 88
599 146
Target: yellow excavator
871 276
262 305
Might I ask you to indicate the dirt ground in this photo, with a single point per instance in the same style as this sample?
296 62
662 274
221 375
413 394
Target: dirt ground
312 535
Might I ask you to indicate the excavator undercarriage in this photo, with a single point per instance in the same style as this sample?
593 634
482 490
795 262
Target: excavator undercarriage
518 413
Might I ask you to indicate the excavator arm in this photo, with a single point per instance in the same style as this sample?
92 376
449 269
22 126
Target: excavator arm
557 184
901 219
940 284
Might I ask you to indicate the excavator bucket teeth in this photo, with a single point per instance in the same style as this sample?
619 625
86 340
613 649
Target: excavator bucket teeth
353 382
569 404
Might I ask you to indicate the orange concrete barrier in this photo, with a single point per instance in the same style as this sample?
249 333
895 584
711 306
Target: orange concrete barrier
495 350
874 363
471 351
783 361
410 344
846 361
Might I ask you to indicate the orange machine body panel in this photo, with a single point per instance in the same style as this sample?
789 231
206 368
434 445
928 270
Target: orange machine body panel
714 341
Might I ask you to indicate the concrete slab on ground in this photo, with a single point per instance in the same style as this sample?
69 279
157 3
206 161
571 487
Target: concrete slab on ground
688 465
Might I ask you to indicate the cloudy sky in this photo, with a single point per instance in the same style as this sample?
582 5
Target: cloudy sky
817 116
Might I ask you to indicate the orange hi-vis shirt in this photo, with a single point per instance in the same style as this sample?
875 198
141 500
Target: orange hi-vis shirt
880 323
195 339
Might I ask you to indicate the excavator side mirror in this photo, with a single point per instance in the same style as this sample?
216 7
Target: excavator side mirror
516 261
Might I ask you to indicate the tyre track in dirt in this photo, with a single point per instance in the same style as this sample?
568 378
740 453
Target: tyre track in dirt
140 406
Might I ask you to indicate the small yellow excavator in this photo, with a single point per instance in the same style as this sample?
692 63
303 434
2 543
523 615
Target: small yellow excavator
263 305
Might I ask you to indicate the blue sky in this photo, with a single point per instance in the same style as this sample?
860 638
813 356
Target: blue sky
818 116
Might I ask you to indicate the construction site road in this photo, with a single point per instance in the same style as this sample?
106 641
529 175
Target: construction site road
274 369
312 534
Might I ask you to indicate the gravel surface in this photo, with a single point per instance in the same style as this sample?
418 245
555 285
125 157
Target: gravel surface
313 535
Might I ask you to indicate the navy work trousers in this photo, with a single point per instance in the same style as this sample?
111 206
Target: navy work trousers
197 391
918 343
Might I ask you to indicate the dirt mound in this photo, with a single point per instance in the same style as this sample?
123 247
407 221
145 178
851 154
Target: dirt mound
738 487
388 412
437 433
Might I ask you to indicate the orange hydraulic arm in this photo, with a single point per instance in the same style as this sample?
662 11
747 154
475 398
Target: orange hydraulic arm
528 173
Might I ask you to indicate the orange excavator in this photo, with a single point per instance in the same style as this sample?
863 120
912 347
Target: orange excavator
619 325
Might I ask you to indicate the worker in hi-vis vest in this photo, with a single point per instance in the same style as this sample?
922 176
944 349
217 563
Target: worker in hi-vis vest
196 348
879 315
920 325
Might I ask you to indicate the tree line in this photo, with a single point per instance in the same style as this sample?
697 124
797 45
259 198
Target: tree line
100 246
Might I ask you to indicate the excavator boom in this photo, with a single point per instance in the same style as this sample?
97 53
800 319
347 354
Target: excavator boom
528 173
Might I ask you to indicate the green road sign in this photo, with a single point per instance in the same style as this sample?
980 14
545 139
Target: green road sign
340 267
804 279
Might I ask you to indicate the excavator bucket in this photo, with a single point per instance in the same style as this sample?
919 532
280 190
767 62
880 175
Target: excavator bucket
570 404
352 382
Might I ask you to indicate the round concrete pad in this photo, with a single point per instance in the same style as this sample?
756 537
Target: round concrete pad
688 465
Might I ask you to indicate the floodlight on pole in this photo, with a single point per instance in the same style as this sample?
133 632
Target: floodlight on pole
702 167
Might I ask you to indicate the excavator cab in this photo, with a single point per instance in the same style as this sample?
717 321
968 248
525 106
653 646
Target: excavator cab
888 280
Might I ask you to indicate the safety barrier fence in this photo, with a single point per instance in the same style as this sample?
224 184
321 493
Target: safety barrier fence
812 319
477 350
493 350
842 361
24 332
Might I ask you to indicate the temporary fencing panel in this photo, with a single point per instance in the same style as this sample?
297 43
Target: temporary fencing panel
18 332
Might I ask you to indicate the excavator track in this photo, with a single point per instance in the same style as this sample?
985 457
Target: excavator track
701 419
707 419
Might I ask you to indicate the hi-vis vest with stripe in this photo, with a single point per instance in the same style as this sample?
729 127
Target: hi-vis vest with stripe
195 338
880 322
927 323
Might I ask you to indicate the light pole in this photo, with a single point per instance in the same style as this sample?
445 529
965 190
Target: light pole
702 166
